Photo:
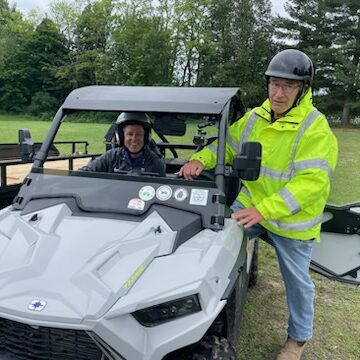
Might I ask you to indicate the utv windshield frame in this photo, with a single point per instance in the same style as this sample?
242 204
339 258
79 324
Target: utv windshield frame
217 101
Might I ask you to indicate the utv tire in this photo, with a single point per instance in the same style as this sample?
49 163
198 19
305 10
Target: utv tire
254 266
214 348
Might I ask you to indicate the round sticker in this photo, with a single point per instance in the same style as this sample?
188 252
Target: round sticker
146 193
180 194
136 204
164 193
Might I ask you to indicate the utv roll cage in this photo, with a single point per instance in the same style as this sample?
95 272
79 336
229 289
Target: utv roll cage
222 104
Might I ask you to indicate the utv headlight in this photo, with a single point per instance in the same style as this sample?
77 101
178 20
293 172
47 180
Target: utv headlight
158 314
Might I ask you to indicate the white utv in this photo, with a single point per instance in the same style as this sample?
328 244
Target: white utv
119 266
100 266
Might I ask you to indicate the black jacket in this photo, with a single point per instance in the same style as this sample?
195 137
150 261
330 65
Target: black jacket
116 159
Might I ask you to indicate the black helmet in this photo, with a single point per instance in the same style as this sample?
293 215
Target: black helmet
132 118
291 64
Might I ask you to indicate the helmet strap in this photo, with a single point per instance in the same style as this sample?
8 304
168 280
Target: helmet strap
302 93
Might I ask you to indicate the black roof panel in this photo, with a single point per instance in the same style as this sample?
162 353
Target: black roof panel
191 100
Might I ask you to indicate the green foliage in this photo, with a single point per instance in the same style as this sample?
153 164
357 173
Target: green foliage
176 42
12 98
328 31
14 30
42 102
46 51
30 60
92 117
142 52
90 43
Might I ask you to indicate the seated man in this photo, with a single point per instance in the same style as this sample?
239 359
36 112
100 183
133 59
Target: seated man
134 153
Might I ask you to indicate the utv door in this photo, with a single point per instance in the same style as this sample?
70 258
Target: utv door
337 256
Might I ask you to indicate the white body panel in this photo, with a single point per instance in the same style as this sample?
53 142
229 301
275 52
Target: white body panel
94 282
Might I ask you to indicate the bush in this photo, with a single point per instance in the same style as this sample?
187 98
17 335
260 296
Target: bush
42 103
92 117
12 99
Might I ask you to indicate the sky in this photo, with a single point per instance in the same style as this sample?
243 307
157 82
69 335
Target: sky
30 4
41 5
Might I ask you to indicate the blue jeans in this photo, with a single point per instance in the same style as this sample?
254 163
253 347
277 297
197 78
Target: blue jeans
294 260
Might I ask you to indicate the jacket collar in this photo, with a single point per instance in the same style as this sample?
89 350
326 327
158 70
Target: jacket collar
296 115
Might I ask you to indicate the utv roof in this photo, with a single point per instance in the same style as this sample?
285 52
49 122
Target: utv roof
200 100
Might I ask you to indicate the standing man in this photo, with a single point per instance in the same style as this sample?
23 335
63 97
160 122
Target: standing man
134 154
299 153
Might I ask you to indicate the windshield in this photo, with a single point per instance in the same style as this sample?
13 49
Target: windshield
121 193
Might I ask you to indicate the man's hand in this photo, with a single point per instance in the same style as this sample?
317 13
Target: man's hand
247 217
191 169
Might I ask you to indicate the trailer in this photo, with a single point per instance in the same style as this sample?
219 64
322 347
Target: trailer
13 168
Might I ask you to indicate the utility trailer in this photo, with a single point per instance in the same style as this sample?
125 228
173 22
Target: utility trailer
12 169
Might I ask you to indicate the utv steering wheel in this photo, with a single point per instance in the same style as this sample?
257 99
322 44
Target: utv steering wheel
205 175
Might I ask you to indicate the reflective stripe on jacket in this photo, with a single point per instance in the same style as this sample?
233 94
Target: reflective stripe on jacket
299 154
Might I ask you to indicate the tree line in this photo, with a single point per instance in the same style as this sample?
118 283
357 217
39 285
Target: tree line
178 43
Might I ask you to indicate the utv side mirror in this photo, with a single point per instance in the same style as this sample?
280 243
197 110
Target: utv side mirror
247 164
26 145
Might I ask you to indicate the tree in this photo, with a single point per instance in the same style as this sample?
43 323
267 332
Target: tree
239 48
254 47
92 36
65 15
345 16
141 52
328 31
46 51
192 39
14 95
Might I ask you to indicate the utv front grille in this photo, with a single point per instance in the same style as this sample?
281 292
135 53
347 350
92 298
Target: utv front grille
23 342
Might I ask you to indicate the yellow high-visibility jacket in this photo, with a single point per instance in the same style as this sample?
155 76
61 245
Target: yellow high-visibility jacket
299 154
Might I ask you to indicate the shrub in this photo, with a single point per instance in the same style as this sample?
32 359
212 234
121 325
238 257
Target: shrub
42 102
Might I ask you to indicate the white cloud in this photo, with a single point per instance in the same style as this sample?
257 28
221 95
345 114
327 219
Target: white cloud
278 7
26 5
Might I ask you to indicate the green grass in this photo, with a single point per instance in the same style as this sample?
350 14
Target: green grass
93 133
337 307
263 329
344 185
70 131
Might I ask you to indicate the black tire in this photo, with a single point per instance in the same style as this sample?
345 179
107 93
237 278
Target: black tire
214 348
254 266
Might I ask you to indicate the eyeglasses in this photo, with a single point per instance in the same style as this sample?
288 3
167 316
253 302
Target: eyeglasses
286 88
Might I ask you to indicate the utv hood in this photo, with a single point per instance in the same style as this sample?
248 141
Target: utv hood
64 268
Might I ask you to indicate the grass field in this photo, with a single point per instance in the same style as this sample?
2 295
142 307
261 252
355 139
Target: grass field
344 186
337 325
